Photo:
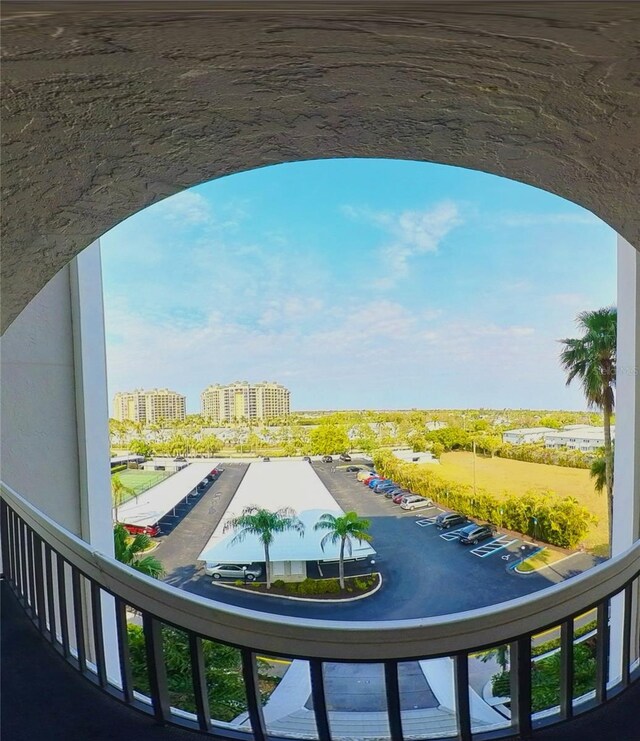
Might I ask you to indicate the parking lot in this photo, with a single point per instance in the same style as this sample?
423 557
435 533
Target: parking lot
425 571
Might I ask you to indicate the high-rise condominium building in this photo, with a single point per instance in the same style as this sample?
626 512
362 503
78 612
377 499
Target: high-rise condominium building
243 400
149 406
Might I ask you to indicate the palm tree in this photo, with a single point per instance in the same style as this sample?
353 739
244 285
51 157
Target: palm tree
592 359
128 550
598 471
265 524
118 493
343 530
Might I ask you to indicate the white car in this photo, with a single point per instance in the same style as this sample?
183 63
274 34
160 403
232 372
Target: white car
233 571
416 502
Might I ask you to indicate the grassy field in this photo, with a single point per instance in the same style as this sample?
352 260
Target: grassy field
500 476
139 480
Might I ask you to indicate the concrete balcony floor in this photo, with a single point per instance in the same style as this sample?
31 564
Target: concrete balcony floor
44 698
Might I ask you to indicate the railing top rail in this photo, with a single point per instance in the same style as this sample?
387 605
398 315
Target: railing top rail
334 639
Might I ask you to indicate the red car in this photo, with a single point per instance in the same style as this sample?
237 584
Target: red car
400 496
151 530
369 479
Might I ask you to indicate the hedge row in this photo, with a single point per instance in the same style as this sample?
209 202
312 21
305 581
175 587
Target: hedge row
117 469
537 453
558 521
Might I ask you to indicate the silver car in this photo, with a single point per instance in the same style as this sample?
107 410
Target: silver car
233 571
416 502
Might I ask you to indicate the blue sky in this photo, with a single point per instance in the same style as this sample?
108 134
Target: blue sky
357 284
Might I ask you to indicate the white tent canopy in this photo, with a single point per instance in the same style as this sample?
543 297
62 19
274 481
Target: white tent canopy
272 486
153 504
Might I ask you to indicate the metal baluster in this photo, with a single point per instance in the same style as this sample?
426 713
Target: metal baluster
62 604
4 537
200 689
254 706
626 635
24 590
124 655
156 667
462 697
566 669
319 700
50 594
393 700
39 593
98 635
78 618
520 662
602 651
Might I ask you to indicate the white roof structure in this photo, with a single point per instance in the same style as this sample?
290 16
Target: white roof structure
126 458
153 504
529 431
273 485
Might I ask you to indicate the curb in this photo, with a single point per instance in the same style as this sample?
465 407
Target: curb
307 599
544 566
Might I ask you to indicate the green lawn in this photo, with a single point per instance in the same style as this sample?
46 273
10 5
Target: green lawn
501 475
141 480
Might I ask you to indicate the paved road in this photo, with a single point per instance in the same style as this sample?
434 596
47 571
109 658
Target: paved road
180 546
423 574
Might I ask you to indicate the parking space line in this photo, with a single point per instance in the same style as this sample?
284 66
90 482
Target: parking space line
426 522
482 551
453 535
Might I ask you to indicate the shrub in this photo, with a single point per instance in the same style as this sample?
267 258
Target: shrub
563 522
278 583
545 678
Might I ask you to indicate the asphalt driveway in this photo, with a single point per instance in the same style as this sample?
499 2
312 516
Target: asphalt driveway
423 573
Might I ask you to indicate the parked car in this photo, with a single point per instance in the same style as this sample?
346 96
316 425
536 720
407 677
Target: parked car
416 502
233 571
368 479
473 533
401 495
307 458
385 489
203 485
151 530
365 475
345 457
180 459
391 493
377 480
449 519
381 484
266 459
352 469
327 459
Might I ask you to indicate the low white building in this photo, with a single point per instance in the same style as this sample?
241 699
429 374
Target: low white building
584 438
410 456
526 435
272 486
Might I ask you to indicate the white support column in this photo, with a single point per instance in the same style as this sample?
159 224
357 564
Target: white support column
92 406
626 493
92 416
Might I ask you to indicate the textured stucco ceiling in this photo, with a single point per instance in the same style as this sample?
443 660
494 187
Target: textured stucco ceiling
109 107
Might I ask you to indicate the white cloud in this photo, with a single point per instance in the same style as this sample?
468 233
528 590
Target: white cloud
412 233
186 207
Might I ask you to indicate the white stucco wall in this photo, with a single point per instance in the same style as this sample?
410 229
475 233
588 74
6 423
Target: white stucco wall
54 421
39 450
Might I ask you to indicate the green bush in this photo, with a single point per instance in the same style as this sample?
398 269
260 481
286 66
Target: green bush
545 678
538 453
117 469
560 521
543 648
278 583
500 685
